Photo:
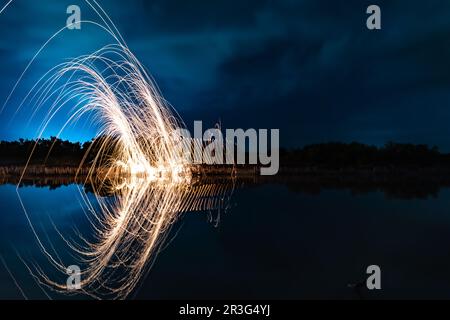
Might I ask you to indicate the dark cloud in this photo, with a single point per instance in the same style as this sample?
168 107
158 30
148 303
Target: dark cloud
310 68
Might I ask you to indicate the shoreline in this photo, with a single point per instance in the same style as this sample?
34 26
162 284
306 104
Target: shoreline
400 183
35 169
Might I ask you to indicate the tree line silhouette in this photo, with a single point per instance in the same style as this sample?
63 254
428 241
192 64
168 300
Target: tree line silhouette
337 155
55 151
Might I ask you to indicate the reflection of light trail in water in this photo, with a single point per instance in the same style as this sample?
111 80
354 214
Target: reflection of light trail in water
135 157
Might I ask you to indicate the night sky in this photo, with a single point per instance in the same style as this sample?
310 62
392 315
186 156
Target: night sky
310 68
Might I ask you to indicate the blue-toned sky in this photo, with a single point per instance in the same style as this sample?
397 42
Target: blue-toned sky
308 67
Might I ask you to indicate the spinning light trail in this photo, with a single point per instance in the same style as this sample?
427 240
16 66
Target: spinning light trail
136 157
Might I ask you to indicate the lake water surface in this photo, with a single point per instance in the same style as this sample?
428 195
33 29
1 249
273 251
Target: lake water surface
273 243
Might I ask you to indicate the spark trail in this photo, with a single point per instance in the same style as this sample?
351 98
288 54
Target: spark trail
136 158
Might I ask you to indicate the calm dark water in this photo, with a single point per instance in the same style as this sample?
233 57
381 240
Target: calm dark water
274 243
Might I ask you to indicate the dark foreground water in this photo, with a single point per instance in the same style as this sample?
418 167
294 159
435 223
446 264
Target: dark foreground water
274 243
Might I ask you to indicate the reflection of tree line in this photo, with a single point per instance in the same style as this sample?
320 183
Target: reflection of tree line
394 185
